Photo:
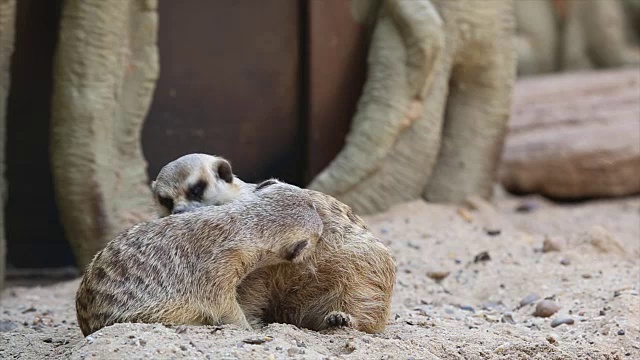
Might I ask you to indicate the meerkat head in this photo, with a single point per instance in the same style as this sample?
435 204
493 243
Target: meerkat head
194 180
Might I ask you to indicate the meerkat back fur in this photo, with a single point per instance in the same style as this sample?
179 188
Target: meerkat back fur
185 269
346 281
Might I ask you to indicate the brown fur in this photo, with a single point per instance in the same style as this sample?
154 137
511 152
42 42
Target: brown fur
184 269
347 280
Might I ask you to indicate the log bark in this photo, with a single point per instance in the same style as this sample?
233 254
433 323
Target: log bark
575 135
105 71
7 35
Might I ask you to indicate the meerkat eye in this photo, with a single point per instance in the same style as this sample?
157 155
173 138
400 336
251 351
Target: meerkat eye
265 183
196 191
166 202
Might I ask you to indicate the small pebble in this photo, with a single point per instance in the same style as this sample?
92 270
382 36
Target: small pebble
587 276
508 318
48 340
621 332
350 346
467 308
183 348
422 310
464 214
529 299
438 275
603 240
28 310
257 340
546 308
549 245
527 206
481 257
90 339
552 338
490 305
492 231
565 261
294 351
562 320
181 329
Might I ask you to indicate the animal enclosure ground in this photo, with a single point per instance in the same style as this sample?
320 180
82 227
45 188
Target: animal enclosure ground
458 295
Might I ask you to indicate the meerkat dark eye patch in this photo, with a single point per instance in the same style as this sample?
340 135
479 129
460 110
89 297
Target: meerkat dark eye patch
166 202
265 183
197 190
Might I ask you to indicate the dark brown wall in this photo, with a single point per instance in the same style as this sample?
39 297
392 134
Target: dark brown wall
337 47
229 85
34 235
272 87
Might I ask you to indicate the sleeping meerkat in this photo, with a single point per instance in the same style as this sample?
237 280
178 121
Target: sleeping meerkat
185 269
186 184
347 281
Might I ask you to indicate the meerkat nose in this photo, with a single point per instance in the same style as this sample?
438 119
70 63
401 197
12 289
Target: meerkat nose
179 210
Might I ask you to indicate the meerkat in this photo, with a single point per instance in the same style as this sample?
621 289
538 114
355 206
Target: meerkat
214 184
347 281
185 269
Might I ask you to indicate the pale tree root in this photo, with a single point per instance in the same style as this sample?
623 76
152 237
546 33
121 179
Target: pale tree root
106 67
404 129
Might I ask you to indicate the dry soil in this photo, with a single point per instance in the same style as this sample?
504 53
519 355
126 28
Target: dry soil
463 291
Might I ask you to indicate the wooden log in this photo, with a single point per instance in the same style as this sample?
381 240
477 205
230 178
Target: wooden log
575 135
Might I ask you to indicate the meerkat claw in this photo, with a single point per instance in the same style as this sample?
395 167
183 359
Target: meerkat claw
338 319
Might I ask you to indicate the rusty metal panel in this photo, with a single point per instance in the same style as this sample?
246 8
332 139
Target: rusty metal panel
337 47
229 85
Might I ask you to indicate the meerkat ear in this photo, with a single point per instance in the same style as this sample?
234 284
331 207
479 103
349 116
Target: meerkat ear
224 171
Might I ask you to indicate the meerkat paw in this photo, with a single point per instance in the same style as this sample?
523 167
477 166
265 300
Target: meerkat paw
338 319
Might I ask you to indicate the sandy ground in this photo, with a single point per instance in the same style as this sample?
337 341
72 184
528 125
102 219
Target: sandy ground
475 312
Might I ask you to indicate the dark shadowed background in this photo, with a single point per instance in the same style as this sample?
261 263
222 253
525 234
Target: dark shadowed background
244 82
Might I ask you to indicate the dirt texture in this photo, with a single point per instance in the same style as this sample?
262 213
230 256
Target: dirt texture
469 282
